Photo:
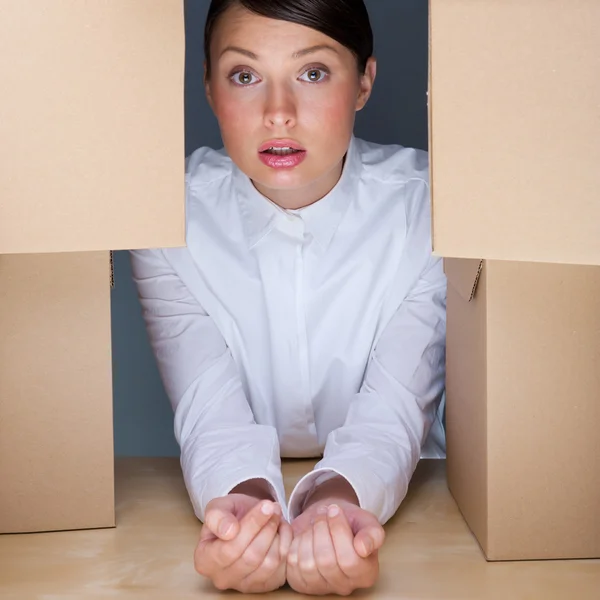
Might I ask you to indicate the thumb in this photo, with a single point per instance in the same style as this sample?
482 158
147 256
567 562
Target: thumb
222 524
368 540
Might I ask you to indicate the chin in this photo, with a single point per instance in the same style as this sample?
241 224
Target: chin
290 179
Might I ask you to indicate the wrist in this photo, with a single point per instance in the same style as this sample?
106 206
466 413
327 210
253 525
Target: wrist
333 490
255 488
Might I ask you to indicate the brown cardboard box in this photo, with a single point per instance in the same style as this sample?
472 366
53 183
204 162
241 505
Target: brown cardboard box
523 406
56 442
515 129
91 160
91 125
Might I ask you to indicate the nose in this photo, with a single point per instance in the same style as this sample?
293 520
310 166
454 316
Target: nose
280 107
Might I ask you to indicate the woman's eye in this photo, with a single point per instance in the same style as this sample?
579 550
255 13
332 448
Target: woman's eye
314 75
243 78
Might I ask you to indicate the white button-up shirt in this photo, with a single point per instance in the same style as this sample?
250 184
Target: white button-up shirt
306 333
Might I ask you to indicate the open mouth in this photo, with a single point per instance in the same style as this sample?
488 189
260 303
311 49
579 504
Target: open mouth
285 151
282 154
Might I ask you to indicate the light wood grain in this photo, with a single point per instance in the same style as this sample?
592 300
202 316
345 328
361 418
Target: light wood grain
429 554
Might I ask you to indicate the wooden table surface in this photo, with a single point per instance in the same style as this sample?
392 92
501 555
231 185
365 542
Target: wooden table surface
429 554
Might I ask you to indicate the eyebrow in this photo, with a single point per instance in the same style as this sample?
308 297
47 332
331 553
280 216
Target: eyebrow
314 49
240 51
298 54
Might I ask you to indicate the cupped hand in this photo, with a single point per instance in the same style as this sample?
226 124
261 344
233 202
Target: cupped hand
335 549
244 544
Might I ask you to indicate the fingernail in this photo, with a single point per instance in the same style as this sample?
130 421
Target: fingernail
225 527
333 511
267 508
368 545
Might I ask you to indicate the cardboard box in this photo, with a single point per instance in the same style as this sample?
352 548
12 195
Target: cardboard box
515 129
523 406
92 125
92 159
56 440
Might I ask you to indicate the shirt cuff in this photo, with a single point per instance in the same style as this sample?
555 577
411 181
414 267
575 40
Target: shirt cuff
308 484
374 496
221 485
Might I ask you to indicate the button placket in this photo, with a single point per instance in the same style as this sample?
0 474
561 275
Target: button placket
302 333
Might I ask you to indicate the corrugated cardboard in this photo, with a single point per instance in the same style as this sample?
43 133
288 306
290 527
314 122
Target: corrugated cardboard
91 158
56 442
515 129
91 125
523 406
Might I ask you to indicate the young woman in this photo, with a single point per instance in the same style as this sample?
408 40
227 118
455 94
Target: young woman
306 316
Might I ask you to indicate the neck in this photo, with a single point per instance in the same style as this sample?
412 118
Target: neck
305 196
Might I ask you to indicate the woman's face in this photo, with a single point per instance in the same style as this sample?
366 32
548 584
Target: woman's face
285 97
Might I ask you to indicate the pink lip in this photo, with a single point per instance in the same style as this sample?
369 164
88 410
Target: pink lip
281 162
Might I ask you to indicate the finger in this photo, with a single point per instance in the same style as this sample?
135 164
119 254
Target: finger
234 574
343 541
308 565
257 518
202 560
255 555
286 537
268 568
301 523
294 575
250 526
368 540
206 552
221 523
327 563
293 553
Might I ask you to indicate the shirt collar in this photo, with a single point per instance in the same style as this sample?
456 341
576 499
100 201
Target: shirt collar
321 219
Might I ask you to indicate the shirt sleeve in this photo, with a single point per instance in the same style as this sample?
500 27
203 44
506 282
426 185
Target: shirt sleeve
378 447
221 444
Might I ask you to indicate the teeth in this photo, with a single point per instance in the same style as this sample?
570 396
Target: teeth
282 151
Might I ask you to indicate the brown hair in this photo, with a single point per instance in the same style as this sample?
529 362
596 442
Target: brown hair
345 21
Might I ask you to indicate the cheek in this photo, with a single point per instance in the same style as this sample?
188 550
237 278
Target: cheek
333 112
233 115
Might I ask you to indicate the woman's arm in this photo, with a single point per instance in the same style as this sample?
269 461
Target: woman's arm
222 447
378 447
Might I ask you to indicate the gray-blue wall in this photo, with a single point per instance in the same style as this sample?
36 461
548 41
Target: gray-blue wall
396 113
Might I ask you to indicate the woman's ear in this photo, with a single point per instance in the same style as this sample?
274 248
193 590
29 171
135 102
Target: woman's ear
207 86
367 80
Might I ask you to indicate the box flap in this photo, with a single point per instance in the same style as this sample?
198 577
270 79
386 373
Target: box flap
92 125
463 275
515 131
